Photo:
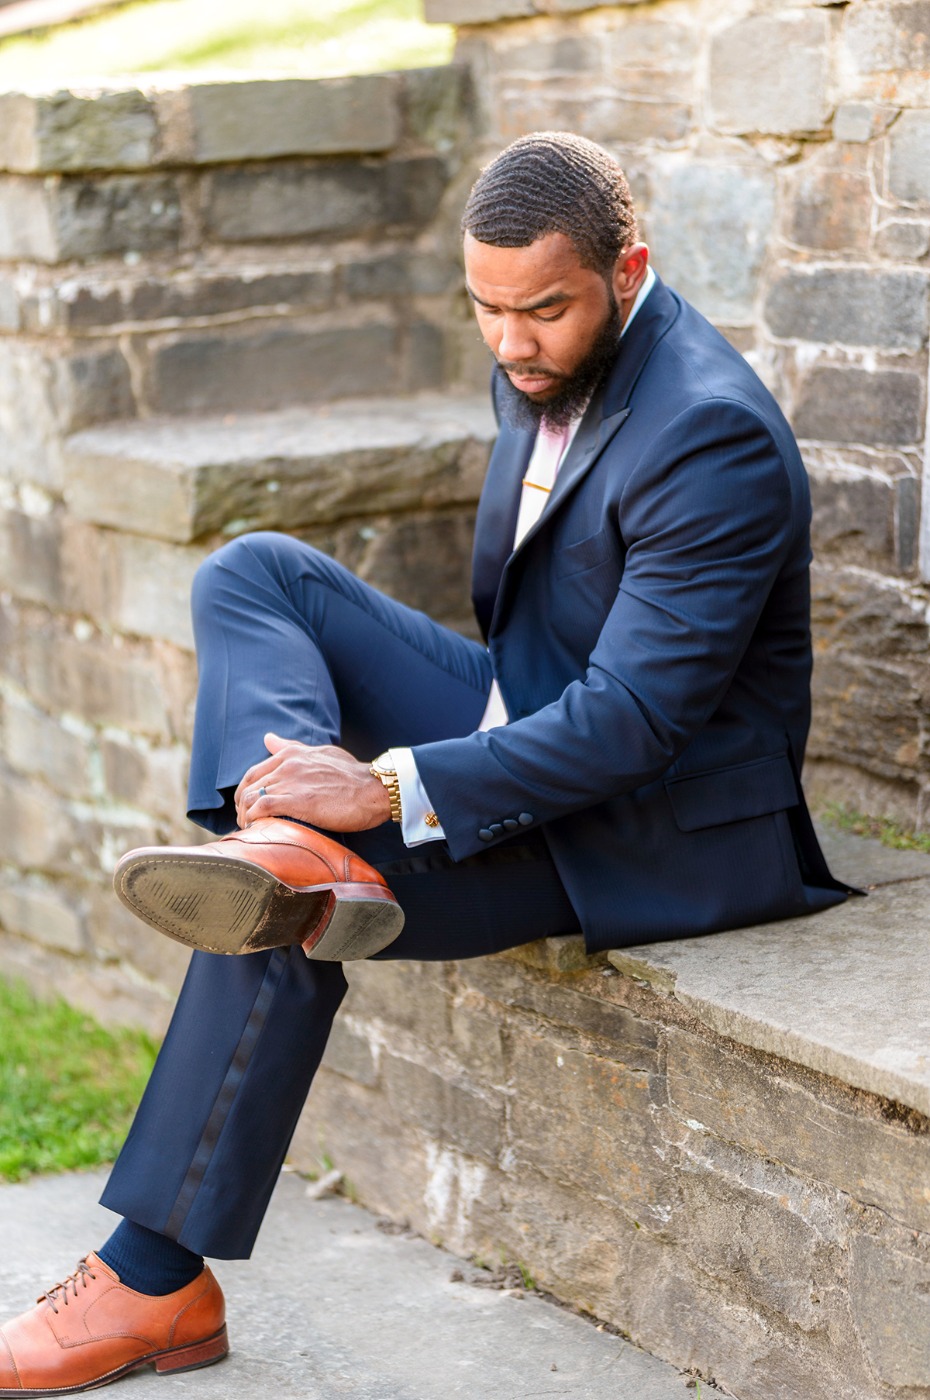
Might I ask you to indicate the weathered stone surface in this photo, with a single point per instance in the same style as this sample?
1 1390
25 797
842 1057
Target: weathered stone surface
404 996
257 119
30 556
74 216
851 306
709 224
80 305
908 167
905 240
252 371
326 198
43 914
892 38
399 274
348 1053
811 1127
48 838
76 130
907 522
860 121
91 386
453 1112
477 11
531 104
151 778
836 994
748 93
845 404
437 105
424 560
293 469
887 1289
582 1118
40 746
854 518
130 584
828 202
854 858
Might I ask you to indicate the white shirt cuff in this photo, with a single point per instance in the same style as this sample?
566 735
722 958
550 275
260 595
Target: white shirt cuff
414 802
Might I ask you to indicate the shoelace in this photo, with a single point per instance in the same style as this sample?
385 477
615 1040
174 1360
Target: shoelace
59 1293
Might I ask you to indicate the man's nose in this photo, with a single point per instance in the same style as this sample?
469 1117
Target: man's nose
518 342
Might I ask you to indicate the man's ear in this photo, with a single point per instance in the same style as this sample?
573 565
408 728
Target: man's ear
629 271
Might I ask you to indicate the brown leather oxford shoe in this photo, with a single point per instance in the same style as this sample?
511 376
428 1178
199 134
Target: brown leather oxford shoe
271 885
91 1330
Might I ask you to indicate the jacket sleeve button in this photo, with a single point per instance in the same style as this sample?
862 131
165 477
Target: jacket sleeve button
485 835
510 824
526 819
497 829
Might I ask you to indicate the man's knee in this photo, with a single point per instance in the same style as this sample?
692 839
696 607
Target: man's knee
265 557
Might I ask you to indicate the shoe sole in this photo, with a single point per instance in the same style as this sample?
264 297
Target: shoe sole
222 904
177 1360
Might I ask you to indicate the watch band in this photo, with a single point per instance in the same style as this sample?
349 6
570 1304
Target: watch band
387 775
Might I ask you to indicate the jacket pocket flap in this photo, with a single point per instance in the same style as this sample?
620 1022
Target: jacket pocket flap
732 794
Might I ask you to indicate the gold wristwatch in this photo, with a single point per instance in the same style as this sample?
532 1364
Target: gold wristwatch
383 768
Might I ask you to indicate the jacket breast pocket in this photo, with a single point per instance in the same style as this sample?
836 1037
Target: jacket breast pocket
732 794
583 554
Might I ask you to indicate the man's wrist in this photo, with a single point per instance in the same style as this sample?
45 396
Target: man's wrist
384 769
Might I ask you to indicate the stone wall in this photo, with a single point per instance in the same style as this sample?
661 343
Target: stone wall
778 156
192 278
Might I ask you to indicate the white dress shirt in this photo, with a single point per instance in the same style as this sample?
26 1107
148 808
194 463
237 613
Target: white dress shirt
547 457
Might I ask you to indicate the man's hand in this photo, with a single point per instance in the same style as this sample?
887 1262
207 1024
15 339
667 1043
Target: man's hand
320 784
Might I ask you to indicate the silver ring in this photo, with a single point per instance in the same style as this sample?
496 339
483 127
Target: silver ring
262 792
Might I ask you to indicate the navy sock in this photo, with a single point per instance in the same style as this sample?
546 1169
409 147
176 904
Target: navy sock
148 1262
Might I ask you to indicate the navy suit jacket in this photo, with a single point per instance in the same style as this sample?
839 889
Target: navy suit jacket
651 641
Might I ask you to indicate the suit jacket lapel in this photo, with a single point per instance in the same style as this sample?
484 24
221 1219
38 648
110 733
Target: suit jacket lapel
608 410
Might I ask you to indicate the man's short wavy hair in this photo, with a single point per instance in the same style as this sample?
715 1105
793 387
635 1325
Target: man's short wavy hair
554 182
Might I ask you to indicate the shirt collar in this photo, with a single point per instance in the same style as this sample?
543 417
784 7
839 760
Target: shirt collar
649 282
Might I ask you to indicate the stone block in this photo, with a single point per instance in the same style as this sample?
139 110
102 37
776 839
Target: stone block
437 105
47 837
45 914
771 1239
83 217
888 1288
658 46
27 222
537 104
449 1111
152 965
477 1040
904 240
76 130
150 778
130 584
811 1127
10 310
407 996
585 1119
869 617
30 449
840 403
850 306
907 491
400 274
477 11
857 122
350 1054
264 118
709 225
30 563
296 469
40 746
828 202
854 519
908 167
892 38
572 1005
91 386
95 680
250 371
344 198
81 305
748 93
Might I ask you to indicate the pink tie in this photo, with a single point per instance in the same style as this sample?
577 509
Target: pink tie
540 476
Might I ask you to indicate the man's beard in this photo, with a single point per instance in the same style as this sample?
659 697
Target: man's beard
574 392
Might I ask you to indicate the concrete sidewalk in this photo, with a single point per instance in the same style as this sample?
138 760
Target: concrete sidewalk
332 1305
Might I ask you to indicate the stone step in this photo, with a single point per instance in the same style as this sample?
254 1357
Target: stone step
182 479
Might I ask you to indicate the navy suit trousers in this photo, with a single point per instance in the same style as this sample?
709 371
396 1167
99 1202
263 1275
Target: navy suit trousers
289 641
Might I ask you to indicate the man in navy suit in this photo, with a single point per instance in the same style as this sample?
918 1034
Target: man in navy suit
621 758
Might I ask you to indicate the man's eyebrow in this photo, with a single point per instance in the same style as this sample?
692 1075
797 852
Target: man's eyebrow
556 299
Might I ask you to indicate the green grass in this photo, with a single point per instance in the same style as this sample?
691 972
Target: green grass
890 833
321 39
68 1087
